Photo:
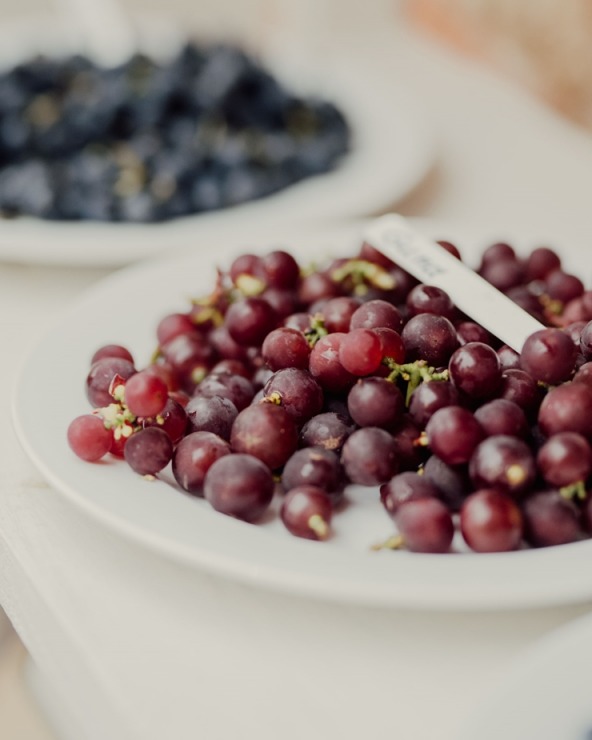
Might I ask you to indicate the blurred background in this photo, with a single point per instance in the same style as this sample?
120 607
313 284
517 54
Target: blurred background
542 44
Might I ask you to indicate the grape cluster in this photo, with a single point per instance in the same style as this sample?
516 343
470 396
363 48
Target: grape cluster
149 141
294 383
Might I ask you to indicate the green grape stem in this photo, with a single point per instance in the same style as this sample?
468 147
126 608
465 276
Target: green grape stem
249 285
316 331
576 490
363 273
394 542
413 374
209 313
319 526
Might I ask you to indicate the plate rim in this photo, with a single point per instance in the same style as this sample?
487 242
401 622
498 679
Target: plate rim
548 651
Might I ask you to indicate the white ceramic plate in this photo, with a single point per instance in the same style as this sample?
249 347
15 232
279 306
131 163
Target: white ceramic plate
545 693
392 150
125 309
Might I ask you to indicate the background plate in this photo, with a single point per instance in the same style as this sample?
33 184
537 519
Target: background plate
545 692
125 308
392 150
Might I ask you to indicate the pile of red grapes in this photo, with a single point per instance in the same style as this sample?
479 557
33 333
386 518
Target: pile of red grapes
292 383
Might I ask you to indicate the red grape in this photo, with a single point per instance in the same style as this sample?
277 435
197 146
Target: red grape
214 414
501 416
550 519
250 320
239 485
503 462
280 269
112 350
567 408
453 433
100 376
565 458
265 431
475 370
285 347
376 402
369 456
172 326
297 391
427 398
89 438
360 352
431 338
490 521
337 313
325 366
315 466
306 511
235 388
425 525
172 419
377 314
148 451
328 430
429 299
549 355
540 262
194 456
406 486
146 394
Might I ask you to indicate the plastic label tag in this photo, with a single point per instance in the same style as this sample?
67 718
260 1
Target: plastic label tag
431 264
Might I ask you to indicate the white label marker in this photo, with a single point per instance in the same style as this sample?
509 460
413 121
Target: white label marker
431 264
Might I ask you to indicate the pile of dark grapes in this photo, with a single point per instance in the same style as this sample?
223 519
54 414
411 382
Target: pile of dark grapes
293 383
149 141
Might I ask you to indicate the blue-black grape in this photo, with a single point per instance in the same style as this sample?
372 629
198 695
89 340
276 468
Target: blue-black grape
150 141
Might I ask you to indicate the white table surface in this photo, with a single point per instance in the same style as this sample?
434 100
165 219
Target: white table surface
128 645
